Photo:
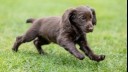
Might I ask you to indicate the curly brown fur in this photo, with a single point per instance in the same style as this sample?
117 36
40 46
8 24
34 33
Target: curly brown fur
67 31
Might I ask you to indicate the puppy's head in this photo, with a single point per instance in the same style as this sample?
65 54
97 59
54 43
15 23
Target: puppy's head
82 17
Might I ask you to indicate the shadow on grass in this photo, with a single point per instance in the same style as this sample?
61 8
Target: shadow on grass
58 59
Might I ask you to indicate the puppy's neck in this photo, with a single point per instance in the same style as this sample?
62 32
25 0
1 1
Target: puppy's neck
77 29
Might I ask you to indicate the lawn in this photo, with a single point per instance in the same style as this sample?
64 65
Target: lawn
109 37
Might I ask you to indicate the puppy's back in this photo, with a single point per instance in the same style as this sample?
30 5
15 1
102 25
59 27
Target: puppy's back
49 27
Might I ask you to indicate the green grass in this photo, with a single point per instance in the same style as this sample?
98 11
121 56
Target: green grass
109 37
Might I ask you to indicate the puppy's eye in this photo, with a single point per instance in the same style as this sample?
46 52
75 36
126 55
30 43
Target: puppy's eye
83 17
73 16
90 16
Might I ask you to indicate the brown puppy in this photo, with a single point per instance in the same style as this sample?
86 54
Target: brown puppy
68 30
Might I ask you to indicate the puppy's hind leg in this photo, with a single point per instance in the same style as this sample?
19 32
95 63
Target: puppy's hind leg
29 36
17 43
38 42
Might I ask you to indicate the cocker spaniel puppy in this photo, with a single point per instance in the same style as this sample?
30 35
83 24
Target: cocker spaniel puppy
66 30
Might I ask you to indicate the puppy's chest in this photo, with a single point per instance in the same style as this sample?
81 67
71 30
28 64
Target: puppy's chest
75 36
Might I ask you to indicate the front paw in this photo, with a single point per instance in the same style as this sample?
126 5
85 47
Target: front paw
102 57
80 56
98 58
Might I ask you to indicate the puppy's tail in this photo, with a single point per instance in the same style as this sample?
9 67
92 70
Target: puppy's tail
30 20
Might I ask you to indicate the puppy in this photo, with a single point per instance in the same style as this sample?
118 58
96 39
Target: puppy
66 30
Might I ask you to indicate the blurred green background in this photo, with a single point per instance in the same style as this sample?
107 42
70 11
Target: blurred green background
109 37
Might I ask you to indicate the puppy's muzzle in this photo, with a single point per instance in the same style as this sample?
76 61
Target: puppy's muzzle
90 29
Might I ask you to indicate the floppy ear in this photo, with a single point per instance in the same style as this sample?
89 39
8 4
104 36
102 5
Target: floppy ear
94 20
67 15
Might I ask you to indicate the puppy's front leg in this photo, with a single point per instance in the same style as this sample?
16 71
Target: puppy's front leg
87 50
70 46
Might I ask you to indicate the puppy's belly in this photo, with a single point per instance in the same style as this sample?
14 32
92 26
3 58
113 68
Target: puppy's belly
49 35
50 38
